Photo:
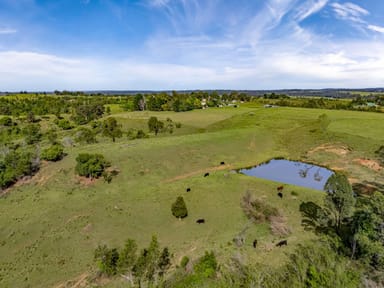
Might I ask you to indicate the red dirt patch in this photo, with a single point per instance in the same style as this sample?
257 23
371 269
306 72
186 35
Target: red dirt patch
341 150
85 181
371 164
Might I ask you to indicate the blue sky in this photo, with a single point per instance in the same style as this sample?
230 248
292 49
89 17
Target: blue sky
190 44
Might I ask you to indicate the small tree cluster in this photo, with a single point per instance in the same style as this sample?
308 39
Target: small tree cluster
91 165
16 164
149 266
156 126
179 209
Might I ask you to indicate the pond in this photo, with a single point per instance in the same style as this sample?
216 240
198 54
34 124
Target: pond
291 172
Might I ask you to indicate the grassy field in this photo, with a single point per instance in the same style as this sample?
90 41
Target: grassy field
50 225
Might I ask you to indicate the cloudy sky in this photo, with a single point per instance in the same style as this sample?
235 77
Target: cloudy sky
190 44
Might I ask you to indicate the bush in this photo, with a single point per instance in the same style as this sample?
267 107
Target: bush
207 265
64 124
53 153
91 165
257 210
179 209
6 121
85 135
184 261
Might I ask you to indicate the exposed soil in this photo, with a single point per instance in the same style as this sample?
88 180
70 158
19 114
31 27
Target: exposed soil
79 282
341 150
371 164
85 181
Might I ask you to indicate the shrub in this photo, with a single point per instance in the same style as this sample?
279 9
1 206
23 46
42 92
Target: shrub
85 135
53 153
207 265
6 121
184 261
64 124
179 209
257 210
91 165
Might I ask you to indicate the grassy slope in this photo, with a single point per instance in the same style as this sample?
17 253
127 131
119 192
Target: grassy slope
50 227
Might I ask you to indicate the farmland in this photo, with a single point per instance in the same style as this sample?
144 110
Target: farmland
51 223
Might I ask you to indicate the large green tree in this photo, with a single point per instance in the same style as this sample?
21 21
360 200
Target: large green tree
111 129
339 201
179 209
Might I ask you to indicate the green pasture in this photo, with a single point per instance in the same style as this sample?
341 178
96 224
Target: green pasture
51 224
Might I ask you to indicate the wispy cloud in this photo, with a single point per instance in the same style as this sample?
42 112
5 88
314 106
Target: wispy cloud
309 8
7 31
158 3
350 11
375 28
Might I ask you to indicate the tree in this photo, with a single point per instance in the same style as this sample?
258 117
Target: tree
207 265
179 209
111 129
91 165
83 114
107 259
154 125
339 201
164 261
139 102
127 256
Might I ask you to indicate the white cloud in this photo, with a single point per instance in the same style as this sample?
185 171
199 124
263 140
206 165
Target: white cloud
309 8
375 28
350 11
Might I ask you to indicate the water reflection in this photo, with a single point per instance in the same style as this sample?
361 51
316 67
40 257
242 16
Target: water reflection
291 172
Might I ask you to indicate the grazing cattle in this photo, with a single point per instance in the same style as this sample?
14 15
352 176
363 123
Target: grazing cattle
200 221
206 174
254 243
222 163
280 194
188 190
280 188
282 243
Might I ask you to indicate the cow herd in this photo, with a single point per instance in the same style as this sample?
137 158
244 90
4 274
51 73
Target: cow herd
254 243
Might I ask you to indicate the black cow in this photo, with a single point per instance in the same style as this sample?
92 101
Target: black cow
188 190
254 243
280 194
206 174
282 243
200 221
222 163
